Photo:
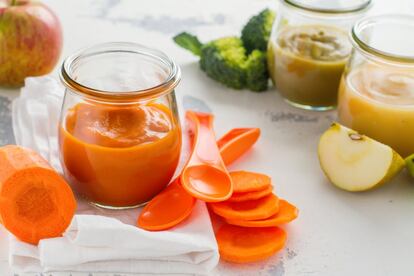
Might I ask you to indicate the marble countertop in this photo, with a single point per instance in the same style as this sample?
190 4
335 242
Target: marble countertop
337 233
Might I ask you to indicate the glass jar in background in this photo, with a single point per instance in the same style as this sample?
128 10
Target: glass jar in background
119 132
309 47
376 95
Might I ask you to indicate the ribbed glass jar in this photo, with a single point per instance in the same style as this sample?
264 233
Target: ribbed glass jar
309 47
119 132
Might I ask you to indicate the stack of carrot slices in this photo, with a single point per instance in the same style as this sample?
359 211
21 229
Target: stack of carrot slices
252 217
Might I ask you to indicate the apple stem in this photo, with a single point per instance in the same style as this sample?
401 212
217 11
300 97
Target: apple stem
13 2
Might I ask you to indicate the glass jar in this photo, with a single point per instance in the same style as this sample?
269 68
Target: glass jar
376 95
309 47
119 132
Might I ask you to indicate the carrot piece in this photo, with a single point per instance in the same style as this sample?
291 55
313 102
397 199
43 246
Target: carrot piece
35 201
237 142
287 212
238 197
244 181
242 245
167 209
247 210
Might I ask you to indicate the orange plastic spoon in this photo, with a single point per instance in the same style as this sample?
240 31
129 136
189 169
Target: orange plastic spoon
205 176
167 209
236 142
158 214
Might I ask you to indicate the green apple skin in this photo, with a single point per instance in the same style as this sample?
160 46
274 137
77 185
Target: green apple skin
397 165
409 164
30 41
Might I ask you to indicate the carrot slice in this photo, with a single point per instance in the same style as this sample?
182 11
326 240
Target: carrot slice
35 201
238 197
244 181
287 212
167 209
247 210
242 245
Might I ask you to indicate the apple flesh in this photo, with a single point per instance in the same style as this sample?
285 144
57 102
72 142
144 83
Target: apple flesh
355 162
30 41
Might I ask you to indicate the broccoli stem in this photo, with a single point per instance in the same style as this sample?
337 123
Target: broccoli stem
189 42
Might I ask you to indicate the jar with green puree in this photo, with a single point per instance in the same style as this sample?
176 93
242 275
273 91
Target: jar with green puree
309 47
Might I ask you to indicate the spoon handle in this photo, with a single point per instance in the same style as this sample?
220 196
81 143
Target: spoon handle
205 149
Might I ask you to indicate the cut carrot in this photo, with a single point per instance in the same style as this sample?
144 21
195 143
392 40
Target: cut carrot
167 209
237 142
238 197
247 210
244 181
35 201
287 212
242 245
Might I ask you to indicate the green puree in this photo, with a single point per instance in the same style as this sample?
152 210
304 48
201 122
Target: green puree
308 62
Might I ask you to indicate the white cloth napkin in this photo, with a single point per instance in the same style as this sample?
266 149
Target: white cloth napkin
101 240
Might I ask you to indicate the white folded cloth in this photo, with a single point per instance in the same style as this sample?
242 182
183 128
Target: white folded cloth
101 240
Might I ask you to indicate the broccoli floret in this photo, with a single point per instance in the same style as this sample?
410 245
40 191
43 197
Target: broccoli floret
225 60
257 74
256 32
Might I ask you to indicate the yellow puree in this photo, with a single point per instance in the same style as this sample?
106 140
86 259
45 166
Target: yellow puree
378 100
306 63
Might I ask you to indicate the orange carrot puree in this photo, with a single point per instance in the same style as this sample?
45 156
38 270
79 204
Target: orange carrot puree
119 155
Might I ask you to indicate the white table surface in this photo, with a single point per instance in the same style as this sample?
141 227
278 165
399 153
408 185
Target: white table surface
337 233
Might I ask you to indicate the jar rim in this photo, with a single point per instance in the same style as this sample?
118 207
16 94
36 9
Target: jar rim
365 47
165 86
332 11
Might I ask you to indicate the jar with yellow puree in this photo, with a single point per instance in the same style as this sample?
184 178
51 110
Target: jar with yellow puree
119 133
309 47
376 95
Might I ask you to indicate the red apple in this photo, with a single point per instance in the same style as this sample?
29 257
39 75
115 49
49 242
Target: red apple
30 41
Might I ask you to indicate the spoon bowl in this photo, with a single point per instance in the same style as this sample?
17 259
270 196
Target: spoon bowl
207 182
158 215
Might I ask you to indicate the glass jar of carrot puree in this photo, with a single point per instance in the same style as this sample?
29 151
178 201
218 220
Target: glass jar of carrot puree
119 131
309 47
376 95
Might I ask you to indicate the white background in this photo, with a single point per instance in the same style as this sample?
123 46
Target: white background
337 233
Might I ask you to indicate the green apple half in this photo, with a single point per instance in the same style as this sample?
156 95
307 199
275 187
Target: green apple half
355 162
